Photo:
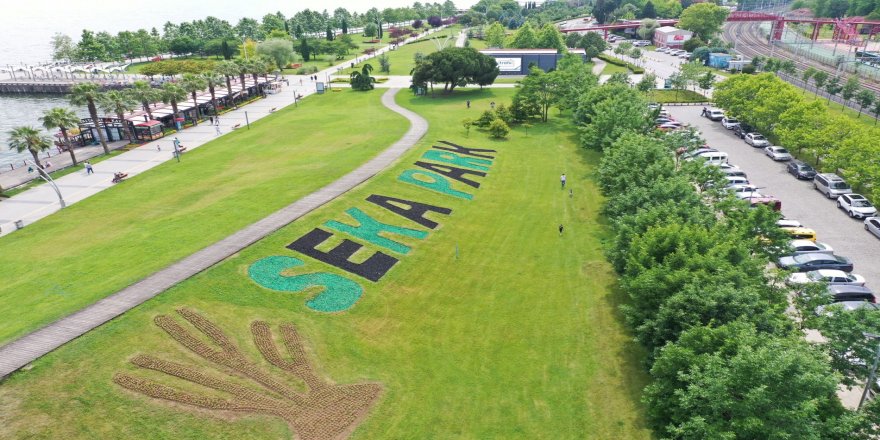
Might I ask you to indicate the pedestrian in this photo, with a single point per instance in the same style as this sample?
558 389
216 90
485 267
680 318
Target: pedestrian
468 103
217 129
492 105
89 169
48 164
561 228
211 118
158 147
703 113
562 180
570 193
216 120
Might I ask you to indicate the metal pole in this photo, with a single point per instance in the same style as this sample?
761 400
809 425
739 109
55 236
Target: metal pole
871 376
45 176
247 121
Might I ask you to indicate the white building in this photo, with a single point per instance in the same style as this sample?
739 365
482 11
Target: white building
668 36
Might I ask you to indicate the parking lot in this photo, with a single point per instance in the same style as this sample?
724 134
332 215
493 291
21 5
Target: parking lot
799 200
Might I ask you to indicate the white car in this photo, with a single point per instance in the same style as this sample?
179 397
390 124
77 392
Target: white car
788 223
807 246
777 153
745 192
856 205
737 182
714 114
830 276
872 225
756 140
729 123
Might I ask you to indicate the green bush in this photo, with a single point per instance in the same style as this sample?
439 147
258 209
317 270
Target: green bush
611 60
485 119
498 129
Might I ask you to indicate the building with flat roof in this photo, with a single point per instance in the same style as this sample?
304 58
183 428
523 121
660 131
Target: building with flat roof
669 36
517 61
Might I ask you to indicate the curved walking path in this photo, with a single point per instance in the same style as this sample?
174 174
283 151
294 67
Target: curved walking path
28 348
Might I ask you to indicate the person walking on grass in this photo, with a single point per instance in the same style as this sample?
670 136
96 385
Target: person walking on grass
561 228
562 180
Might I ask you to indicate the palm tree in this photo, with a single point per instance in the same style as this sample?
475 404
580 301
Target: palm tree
242 71
87 94
62 119
144 93
119 103
25 138
361 80
172 94
193 84
212 79
228 69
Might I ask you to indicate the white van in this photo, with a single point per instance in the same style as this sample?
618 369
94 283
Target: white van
713 157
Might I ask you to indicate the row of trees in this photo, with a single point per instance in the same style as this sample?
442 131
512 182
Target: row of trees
213 36
119 102
725 359
832 141
841 8
512 15
526 37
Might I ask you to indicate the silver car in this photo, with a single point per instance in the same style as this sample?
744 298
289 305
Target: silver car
777 153
756 140
872 225
805 246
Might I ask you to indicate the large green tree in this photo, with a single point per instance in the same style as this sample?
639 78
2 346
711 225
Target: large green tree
605 113
704 19
280 51
495 35
455 66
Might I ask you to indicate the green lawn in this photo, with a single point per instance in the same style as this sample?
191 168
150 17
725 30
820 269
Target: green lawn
108 241
324 61
611 69
837 109
401 59
493 326
477 44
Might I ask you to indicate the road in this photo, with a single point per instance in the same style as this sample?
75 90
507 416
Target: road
799 200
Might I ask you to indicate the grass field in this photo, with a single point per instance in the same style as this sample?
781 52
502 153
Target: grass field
867 119
75 257
494 326
611 69
401 59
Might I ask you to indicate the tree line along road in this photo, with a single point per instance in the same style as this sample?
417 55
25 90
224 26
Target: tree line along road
799 200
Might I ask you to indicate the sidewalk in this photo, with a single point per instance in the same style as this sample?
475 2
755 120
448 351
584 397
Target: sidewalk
20 175
41 201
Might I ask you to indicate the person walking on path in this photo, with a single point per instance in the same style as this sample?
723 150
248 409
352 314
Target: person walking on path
89 169
217 126
562 180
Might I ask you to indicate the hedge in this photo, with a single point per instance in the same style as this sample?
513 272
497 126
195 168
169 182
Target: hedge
611 60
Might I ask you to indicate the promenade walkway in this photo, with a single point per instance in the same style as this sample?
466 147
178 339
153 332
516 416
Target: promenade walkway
30 347
41 201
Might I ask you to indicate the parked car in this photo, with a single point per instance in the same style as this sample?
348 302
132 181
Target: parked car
729 123
798 233
641 43
730 170
788 223
807 246
761 200
872 225
713 114
843 292
800 170
814 261
830 276
856 205
832 185
756 140
666 126
742 130
776 153
738 182
847 306
711 157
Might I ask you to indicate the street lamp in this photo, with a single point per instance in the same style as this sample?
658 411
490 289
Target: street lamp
873 373
45 176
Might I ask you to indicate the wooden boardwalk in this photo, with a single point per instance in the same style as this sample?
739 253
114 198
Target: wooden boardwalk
28 348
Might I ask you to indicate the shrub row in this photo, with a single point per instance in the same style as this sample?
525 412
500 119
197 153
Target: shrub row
611 60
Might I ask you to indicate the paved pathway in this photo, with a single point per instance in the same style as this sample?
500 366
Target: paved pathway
30 347
41 201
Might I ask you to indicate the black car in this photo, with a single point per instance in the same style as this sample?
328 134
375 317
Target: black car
851 293
801 170
815 261
742 130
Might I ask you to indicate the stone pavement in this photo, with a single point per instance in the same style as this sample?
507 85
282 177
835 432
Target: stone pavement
41 201
30 347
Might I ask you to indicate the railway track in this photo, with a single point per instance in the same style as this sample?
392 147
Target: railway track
750 42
